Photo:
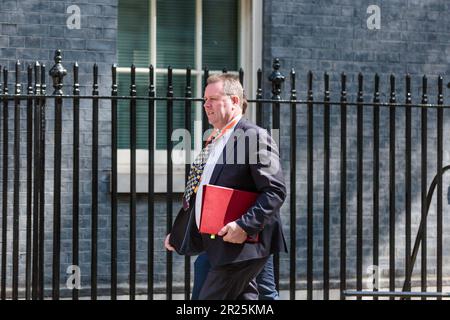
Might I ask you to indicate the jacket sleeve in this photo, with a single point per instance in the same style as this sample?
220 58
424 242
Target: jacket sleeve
268 177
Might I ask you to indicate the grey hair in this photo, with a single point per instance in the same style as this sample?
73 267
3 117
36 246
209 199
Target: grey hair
231 87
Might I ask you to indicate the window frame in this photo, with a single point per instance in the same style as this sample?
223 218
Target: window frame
250 58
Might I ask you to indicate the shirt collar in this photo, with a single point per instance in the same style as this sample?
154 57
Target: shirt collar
237 118
231 129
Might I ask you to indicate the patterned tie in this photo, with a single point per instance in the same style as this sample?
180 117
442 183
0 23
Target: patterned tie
196 171
195 174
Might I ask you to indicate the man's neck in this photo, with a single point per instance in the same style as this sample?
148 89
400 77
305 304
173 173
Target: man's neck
231 119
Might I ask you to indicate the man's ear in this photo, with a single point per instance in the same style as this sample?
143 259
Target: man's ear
235 100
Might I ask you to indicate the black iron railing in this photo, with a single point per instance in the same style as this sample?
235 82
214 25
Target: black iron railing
37 102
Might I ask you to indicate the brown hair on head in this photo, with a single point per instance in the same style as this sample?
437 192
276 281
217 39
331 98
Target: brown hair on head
231 87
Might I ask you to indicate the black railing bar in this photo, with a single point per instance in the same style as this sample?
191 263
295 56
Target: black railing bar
42 201
396 294
16 152
169 183
392 186
359 182
164 98
12 97
310 190
276 78
423 188
114 198
439 211
376 175
343 189
29 206
408 174
133 195
94 185
368 104
188 126
36 183
145 70
151 188
305 102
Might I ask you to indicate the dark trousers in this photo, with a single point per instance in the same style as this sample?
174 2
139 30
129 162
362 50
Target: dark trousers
235 281
265 280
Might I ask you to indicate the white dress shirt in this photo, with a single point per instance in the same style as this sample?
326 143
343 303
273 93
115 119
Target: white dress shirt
216 150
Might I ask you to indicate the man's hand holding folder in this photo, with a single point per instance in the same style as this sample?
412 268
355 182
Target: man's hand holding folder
221 207
233 233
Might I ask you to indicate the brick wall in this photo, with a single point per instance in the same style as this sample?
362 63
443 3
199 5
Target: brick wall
333 36
32 30
306 35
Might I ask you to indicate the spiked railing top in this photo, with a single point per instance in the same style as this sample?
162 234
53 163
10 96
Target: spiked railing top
276 78
58 72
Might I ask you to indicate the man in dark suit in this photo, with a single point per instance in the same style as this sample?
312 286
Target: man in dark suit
243 156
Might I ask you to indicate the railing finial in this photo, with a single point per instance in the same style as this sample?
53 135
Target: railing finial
58 72
277 79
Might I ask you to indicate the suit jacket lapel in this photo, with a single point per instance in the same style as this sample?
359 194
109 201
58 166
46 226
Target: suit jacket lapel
233 140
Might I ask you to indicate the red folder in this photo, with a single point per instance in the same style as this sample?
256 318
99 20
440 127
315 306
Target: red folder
222 205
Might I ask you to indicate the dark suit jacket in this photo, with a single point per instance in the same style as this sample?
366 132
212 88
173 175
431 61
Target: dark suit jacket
250 161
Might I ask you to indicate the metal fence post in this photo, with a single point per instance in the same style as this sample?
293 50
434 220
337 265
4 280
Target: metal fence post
277 79
57 72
